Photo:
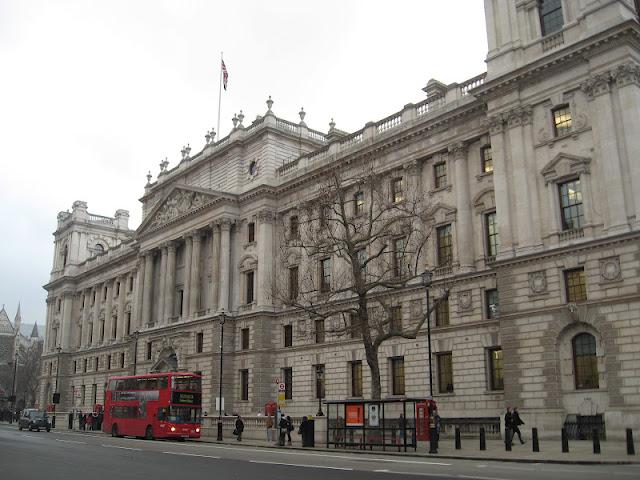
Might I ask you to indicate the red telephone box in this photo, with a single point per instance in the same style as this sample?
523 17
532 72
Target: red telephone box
270 408
424 413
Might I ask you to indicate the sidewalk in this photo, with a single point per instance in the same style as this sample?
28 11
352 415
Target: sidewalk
580 452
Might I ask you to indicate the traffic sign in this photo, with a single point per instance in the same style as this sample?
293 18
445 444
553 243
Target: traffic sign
281 387
281 400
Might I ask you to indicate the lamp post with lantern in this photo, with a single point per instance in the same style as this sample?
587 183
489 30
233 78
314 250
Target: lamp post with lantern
221 320
427 276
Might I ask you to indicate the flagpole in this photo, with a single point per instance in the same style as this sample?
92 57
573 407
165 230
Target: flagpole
219 96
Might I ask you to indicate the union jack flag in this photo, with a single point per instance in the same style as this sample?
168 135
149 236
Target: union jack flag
225 75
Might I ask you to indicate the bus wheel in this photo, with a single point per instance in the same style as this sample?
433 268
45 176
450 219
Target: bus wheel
114 430
148 433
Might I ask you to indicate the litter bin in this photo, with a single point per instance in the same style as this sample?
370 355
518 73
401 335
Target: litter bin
310 440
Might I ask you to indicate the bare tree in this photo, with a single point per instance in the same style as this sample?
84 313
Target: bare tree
347 253
28 373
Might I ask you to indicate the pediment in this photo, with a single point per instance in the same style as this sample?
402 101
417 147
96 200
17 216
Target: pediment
442 213
178 203
565 165
485 200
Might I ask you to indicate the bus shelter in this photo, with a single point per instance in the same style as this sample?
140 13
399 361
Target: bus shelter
379 424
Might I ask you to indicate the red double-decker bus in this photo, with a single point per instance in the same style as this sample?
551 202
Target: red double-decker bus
157 405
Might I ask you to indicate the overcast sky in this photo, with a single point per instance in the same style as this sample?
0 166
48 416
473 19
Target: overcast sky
93 94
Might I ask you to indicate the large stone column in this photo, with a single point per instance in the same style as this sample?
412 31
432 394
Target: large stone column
265 259
215 266
95 341
122 320
464 224
598 91
627 78
196 240
501 186
170 283
108 319
67 306
86 295
225 263
138 320
148 289
187 276
161 320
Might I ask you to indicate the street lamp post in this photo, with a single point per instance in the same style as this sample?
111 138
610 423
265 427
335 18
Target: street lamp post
221 320
135 350
433 446
320 385
13 386
56 395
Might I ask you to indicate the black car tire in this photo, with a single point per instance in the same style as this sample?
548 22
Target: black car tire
48 429
20 427
30 428
114 430
148 433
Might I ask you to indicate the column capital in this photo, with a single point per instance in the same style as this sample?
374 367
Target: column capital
266 216
171 246
196 236
225 223
412 167
458 150
626 74
495 124
596 85
519 116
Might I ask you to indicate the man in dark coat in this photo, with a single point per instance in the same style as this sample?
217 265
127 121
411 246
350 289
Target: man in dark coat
508 427
302 431
517 421
239 427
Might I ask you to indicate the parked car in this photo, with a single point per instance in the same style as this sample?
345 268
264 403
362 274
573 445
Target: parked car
34 420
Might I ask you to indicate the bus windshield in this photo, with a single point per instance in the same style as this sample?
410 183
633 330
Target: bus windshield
187 384
179 415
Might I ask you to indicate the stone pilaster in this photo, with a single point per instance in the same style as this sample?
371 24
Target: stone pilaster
464 223
215 266
194 293
265 259
86 295
122 318
96 315
170 283
225 263
147 289
161 317
67 306
108 318
140 276
188 253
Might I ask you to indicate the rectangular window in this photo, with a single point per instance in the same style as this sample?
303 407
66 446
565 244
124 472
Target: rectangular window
83 393
356 378
486 156
249 279
108 362
561 120
319 371
442 313
399 247
354 326
294 227
571 213
104 293
245 338
440 175
550 16
320 336
117 289
325 215
397 190
396 319
94 394
244 382
493 239
97 363
180 301
325 275
445 245
491 302
101 331
122 360
75 366
84 367
287 334
575 284
199 342
397 376
495 369
445 373
287 378
358 203
131 284
149 346
251 232
128 315
293 283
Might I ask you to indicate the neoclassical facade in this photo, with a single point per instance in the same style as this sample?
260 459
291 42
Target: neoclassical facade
533 172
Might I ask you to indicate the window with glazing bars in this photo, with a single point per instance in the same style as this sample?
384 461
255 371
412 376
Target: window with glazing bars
550 16
445 245
493 239
358 203
287 377
571 212
399 267
585 361
445 372
440 175
325 275
561 120
486 156
294 227
575 284
396 319
397 376
319 324
491 302
442 313
496 375
356 378
397 190
245 338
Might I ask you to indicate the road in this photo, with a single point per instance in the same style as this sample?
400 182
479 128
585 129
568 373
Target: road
68 455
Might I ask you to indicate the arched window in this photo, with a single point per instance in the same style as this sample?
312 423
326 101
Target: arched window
585 362
99 248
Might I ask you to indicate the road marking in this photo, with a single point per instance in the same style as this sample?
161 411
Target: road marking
29 436
190 455
474 477
69 441
420 474
123 448
302 465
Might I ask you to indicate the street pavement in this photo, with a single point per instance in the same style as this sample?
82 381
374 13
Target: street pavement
64 454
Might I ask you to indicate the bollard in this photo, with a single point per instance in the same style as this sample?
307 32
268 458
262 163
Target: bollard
596 441
483 441
630 447
458 446
565 441
534 440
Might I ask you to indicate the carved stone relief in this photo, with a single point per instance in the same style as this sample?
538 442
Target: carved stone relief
179 203
610 269
538 282
465 300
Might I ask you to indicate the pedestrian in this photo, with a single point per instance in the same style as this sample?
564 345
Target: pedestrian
282 426
269 428
302 430
289 429
239 428
517 421
81 421
89 421
508 427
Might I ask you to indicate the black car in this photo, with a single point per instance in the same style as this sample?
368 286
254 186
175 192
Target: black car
34 420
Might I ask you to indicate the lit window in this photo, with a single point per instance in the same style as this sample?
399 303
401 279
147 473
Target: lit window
571 212
397 376
486 156
496 379
445 373
397 190
585 362
561 120
493 239
440 175
550 16
575 285
358 203
445 245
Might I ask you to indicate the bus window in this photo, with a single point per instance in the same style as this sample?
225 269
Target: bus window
152 384
163 382
183 415
187 384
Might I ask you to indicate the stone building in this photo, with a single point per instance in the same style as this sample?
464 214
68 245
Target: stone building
533 172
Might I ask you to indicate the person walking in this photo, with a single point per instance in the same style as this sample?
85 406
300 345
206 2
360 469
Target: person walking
289 429
302 430
239 428
81 421
282 426
517 421
89 421
508 427
269 428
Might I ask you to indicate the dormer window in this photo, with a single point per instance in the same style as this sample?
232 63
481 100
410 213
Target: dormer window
550 16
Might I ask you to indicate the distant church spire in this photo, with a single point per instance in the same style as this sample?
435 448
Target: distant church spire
17 321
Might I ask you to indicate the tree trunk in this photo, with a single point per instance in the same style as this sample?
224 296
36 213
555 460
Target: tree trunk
372 360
